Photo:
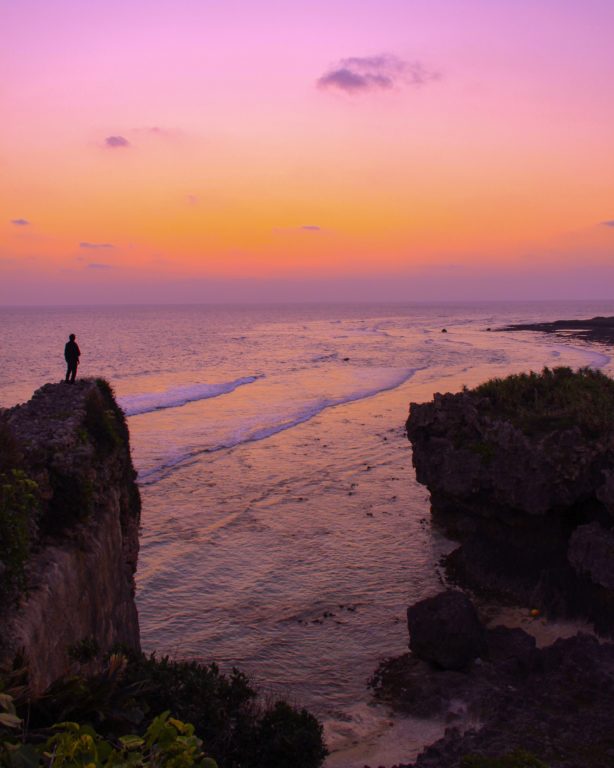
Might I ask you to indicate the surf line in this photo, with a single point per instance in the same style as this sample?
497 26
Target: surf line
152 476
136 405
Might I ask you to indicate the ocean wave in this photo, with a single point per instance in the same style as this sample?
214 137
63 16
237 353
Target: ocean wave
262 432
133 405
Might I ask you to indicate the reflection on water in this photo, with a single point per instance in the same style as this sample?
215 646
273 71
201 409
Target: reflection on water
283 530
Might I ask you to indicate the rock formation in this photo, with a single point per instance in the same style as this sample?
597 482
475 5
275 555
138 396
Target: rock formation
594 329
554 702
446 631
520 471
68 572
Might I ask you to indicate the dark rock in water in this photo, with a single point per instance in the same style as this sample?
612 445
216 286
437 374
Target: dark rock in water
444 330
591 552
446 631
599 329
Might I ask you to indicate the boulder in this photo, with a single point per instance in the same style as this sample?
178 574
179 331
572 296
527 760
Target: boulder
446 631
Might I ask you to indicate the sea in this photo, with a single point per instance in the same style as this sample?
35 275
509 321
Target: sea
283 530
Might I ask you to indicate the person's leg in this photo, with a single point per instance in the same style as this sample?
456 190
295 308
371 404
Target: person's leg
73 372
67 372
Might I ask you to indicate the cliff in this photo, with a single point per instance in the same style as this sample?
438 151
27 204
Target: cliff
521 473
69 519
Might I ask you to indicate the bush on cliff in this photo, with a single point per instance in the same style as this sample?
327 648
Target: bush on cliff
166 743
556 398
238 730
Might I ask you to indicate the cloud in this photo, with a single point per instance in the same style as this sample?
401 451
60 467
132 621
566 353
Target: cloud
98 265
115 142
311 227
95 246
605 223
20 222
359 74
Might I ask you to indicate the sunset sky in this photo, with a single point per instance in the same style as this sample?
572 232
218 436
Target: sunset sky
233 150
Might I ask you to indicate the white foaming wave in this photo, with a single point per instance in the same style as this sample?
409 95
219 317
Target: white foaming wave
147 402
303 415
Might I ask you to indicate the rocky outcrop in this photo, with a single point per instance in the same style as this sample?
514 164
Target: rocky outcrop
555 702
595 329
530 498
445 630
75 594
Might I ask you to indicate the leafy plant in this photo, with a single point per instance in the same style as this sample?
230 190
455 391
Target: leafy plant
167 743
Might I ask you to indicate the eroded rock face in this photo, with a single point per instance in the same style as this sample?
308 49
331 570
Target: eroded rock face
74 444
520 503
445 630
591 553
473 461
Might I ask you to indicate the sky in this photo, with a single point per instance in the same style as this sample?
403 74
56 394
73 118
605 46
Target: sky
201 150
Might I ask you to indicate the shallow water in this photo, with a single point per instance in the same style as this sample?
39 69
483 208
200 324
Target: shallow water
283 530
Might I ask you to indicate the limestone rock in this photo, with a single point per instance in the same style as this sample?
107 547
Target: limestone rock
446 630
73 441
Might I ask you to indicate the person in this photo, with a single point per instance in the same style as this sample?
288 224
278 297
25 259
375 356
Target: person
71 355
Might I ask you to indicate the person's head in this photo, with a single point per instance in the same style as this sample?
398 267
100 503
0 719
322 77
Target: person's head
72 337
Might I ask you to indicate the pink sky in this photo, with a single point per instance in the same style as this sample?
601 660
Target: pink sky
198 150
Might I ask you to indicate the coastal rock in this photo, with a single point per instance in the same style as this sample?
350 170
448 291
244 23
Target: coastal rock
512 647
75 590
591 553
514 468
445 630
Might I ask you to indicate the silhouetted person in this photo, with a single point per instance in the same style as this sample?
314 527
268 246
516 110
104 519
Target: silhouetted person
71 354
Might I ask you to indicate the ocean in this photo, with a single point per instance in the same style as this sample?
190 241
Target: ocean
283 531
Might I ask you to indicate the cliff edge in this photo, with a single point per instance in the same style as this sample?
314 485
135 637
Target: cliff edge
69 521
521 473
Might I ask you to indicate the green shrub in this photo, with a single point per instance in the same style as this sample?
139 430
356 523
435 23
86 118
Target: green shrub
556 398
18 505
239 731
166 743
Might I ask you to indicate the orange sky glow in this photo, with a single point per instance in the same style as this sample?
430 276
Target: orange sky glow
162 151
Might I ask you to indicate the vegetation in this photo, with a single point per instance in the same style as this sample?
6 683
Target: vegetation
112 710
18 506
516 759
554 399
166 743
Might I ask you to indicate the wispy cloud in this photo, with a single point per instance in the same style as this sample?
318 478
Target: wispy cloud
20 222
609 223
99 265
360 74
311 227
116 142
96 246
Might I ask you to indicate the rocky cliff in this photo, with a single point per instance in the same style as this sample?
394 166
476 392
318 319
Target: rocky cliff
69 519
521 472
